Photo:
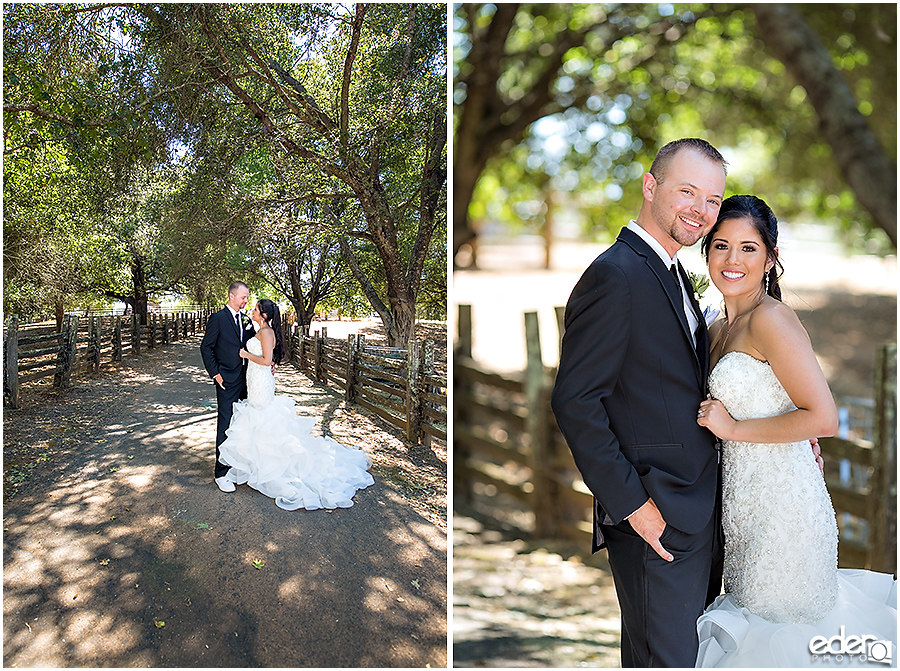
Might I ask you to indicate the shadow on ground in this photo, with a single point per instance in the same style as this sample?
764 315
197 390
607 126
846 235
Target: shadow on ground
121 551
527 603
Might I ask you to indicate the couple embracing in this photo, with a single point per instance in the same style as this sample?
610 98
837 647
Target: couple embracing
260 440
699 443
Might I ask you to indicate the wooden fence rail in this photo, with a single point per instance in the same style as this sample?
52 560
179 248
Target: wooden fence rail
506 439
400 386
84 345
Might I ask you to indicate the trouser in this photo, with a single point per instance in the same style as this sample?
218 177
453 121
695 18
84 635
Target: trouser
660 601
225 400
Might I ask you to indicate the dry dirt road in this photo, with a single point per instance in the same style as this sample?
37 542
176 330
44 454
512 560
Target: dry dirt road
120 551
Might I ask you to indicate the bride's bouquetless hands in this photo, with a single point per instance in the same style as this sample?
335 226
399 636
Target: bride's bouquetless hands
713 415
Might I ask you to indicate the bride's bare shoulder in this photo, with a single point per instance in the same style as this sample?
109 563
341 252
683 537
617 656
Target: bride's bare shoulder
774 323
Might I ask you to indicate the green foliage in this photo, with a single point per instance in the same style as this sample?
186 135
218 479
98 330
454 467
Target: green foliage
646 74
169 133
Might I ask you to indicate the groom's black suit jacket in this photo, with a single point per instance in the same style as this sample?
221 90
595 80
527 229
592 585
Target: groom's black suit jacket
628 389
221 343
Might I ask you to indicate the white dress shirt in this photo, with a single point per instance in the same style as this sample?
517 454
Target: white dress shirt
668 261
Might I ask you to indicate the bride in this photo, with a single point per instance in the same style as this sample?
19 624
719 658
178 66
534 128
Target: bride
272 449
786 603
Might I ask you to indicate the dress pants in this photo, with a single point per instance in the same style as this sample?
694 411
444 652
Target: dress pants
225 400
660 601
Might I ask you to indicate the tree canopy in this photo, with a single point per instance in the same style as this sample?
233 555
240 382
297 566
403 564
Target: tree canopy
575 99
239 111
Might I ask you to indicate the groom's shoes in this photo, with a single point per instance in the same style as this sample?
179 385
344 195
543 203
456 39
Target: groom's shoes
225 484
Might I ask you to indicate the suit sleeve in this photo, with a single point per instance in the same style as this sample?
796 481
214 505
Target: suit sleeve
208 344
595 345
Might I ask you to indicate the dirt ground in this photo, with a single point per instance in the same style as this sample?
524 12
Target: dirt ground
519 602
120 551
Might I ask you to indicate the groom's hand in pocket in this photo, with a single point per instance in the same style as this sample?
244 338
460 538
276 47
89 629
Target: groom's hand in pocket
219 381
649 524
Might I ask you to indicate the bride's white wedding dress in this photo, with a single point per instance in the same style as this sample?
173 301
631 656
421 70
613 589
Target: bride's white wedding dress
272 449
782 584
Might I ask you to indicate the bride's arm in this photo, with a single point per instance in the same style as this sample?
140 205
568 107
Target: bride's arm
267 339
778 336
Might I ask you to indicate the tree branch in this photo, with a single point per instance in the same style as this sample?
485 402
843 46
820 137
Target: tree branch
348 71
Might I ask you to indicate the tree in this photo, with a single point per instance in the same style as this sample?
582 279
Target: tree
612 83
355 114
867 169
301 261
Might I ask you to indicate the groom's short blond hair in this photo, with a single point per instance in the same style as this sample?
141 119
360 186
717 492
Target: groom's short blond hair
665 155
234 286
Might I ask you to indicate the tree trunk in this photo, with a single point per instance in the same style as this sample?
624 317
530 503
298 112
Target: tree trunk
868 170
403 326
139 284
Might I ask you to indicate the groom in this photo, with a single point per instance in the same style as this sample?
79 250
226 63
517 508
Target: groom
227 332
632 374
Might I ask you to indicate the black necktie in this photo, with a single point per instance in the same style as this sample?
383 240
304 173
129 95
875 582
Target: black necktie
674 269
237 322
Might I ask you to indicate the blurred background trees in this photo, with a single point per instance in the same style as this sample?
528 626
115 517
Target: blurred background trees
188 145
566 104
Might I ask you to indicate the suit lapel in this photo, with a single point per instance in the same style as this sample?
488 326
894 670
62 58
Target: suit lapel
702 338
664 276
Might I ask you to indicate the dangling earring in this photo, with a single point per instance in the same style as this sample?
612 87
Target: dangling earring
767 284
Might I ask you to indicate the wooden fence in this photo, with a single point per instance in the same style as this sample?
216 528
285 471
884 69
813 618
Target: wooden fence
505 439
84 345
403 387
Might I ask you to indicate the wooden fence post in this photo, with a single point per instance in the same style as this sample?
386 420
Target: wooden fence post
135 334
66 359
117 339
317 358
11 360
536 424
151 340
464 331
462 487
413 392
95 326
882 546
427 369
285 339
352 350
560 326
176 327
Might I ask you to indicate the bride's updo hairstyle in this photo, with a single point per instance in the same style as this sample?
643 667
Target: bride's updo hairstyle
756 210
269 310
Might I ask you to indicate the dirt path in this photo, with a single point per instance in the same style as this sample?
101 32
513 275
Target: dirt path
528 604
120 551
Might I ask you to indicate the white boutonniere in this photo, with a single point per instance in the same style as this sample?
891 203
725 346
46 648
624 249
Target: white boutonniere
245 321
699 283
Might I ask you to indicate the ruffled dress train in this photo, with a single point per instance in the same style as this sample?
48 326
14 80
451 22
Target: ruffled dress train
272 449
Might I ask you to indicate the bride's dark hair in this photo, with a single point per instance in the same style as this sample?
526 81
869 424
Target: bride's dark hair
756 210
269 310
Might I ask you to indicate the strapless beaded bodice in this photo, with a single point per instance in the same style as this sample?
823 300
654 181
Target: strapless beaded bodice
260 381
779 524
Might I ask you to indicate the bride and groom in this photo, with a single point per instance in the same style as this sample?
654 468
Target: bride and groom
260 440
697 474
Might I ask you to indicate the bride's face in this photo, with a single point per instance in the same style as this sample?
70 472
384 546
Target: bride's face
256 316
737 258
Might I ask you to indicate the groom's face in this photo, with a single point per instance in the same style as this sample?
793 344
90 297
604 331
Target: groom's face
685 201
239 299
